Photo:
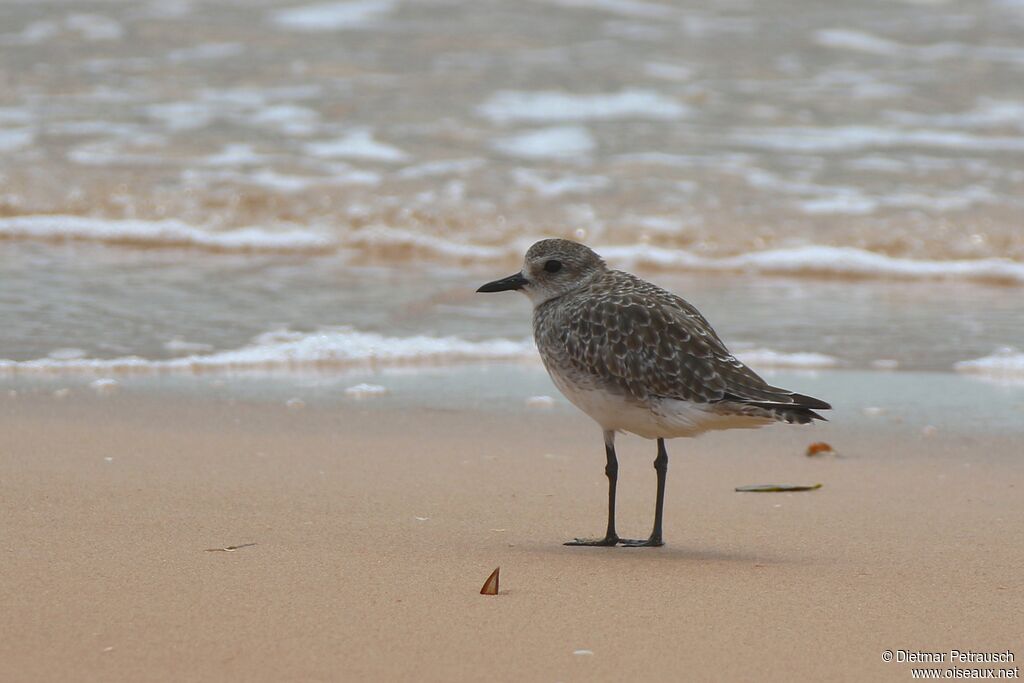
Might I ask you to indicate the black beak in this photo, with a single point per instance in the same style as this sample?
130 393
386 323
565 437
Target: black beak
516 281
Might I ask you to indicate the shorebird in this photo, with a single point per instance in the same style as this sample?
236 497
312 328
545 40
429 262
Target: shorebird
639 359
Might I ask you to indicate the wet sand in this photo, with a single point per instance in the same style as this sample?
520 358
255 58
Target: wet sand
375 528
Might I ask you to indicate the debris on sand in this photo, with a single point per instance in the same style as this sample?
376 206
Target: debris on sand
490 586
776 488
820 448
229 548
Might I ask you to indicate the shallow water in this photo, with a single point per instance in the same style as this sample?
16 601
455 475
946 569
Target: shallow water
180 179
896 127
924 405
216 310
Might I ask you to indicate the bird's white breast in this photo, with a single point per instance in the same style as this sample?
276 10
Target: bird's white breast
662 418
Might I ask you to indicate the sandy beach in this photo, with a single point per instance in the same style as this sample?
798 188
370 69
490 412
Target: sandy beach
241 246
375 527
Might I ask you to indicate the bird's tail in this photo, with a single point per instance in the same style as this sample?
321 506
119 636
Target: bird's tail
786 407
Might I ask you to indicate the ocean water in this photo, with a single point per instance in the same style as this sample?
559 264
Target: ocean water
281 186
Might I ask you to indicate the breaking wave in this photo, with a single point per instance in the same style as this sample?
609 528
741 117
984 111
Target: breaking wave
165 233
287 350
386 244
340 348
1006 364
824 261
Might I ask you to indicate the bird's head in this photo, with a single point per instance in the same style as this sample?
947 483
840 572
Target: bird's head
552 267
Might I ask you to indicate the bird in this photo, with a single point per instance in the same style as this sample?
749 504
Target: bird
639 359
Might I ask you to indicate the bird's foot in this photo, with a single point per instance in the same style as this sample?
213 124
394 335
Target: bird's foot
607 541
651 542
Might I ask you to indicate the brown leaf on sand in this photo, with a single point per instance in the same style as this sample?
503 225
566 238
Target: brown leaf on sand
490 586
820 448
776 488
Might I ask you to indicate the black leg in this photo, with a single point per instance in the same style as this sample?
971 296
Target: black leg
661 467
611 470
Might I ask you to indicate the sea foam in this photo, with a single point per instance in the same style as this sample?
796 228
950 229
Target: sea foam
357 144
767 358
287 350
166 233
1006 364
508 106
824 140
333 16
548 143
823 260
624 8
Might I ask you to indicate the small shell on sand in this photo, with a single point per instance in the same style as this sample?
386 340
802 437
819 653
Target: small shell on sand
365 390
105 387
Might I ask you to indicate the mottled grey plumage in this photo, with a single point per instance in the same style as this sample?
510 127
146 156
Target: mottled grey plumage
622 334
638 359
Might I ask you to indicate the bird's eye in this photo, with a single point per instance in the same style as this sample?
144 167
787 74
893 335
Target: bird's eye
553 266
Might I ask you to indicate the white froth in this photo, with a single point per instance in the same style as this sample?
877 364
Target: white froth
548 143
850 203
358 144
286 350
1006 363
380 237
430 169
778 359
333 16
987 113
509 106
846 39
859 41
822 260
824 140
15 138
289 119
168 233
234 155
182 116
365 390
105 386
624 8
853 201
540 402
556 185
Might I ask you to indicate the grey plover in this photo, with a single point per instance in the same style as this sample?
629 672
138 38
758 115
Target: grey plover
639 359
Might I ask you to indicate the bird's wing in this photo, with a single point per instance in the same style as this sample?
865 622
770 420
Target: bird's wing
653 344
